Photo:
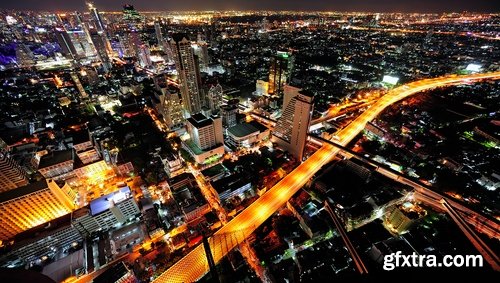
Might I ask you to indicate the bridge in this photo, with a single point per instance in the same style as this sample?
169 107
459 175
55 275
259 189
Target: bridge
194 265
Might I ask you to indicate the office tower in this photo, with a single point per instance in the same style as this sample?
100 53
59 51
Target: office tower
280 72
201 51
188 72
205 132
144 55
67 46
130 43
228 113
291 129
100 43
32 205
159 34
11 174
24 56
130 14
215 97
97 21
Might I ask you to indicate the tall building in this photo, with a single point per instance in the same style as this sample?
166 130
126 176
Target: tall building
144 55
67 46
32 205
188 72
201 51
215 97
228 113
159 34
280 72
100 43
96 19
170 107
291 129
130 14
11 174
205 132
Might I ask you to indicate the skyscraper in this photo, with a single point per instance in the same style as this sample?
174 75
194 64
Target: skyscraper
201 51
99 40
130 14
144 55
228 113
291 129
11 174
171 109
215 97
188 72
97 21
159 34
67 46
280 72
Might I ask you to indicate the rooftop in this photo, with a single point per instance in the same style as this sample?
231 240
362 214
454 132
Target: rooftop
245 129
56 157
19 192
199 120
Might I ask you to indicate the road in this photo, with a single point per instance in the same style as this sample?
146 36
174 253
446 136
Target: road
194 265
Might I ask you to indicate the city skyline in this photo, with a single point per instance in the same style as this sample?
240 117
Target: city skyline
422 6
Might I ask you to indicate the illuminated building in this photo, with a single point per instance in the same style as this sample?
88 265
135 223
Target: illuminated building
201 51
24 56
96 18
130 42
247 134
100 43
42 242
130 14
170 107
228 113
32 205
173 165
11 174
280 72
144 56
205 132
206 139
106 212
292 128
67 46
56 163
215 97
159 34
118 273
79 85
188 72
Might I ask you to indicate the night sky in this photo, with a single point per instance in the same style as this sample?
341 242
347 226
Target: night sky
326 5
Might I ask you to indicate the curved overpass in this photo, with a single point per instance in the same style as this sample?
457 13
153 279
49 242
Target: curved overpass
194 265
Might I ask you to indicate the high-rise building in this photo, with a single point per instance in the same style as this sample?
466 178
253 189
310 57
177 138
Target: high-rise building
215 97
188 72
144 55
280 72
170 108
67 46
292 127
159 34
130 14
201 51
100 43
24 56
228 112
32 205
205 132
95 16
11 174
